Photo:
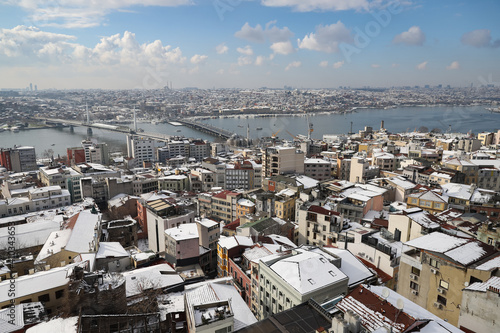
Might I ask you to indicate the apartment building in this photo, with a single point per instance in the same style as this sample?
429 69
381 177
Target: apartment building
162 214
280 160
317 224
434 272
429 201
18 159
142 149
318 169
287 280
37 199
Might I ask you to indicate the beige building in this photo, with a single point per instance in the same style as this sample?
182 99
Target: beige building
317 225
437 268
281 160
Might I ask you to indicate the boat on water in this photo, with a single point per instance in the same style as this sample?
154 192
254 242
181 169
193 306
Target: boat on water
240 125
178 130
14 129
495 110
258 128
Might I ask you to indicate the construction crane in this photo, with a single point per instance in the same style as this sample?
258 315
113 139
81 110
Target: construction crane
293 136
275 133
309 128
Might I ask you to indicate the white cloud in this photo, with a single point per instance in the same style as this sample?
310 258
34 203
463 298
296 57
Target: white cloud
479 38
260 35
29 42
247 50
259 61
220 72
395 65
414 36
375 66
221 48
82 14
323 64
293 64
422 66
453 65
23 40
338 64
322 5
282 48
245 60
198 59
326 38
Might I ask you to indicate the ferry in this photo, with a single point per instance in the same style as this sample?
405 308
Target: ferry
258 128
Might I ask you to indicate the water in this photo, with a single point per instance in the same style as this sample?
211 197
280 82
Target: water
461 119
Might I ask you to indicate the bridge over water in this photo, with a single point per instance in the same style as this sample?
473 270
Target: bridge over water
205 128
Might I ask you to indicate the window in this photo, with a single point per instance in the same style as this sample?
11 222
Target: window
59 293
413 285
44 298
441 300
434 263
444 284
415 270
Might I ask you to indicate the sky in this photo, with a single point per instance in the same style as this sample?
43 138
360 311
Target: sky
149 44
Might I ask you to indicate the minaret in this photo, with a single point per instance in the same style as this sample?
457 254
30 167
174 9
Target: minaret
88 114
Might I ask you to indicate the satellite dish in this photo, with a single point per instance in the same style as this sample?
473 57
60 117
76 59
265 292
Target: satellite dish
385 293
400 304
466 283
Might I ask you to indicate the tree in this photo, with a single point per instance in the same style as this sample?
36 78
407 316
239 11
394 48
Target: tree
423 129
436 130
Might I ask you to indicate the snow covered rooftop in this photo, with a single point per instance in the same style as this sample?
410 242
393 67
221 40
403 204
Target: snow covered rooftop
234 241
158 276
245 203
111 249
83 233
37 282
183 231
464 251
351 266
493 283
308 271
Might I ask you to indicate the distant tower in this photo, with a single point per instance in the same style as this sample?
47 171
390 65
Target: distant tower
89 129
135 121
88 114
31 86
36 87
248 134
351 133
382 125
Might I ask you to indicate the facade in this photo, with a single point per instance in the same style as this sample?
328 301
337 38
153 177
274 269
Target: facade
282 160
437 268
317 224
18 159
240 176
361 171
412 223
142 149
38 199
287 280
428 201
318 169
479 308
162 215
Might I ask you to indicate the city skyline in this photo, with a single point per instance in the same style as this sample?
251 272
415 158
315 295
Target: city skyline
247 44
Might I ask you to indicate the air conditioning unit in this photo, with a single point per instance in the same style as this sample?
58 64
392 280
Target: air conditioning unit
414 292
414 277
438 305
442 291
434 271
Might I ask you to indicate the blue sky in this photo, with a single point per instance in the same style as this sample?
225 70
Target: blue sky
248 44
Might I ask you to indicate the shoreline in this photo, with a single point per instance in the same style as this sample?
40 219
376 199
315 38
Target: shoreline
305 114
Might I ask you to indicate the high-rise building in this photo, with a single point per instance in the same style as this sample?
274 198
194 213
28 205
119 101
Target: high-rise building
18 159
281 160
